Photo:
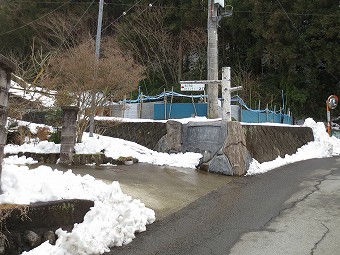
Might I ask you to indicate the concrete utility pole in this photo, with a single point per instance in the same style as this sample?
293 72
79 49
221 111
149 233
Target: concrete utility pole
212 60
99 27
98 38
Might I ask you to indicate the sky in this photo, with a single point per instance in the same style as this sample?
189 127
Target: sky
115 217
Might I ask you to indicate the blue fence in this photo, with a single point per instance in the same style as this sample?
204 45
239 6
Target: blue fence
260 117
179 110
185 110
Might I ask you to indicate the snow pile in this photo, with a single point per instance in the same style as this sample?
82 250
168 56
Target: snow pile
183 121
115 147
15 160
41 147
322 146
112 221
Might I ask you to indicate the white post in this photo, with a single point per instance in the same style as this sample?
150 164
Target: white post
226 94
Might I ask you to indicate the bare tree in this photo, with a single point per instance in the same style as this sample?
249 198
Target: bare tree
195 50
61 31
160 48
75 74
243 76
24 94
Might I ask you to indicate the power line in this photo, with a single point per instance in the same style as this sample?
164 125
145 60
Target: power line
139 5
290 13
187 8
29 23
303 39
78 21
127 11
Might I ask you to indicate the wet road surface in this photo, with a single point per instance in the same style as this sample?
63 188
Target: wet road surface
294 209
164 189
280 212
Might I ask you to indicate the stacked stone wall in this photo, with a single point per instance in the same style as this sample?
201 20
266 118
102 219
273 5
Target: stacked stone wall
266 143
26 226
144 133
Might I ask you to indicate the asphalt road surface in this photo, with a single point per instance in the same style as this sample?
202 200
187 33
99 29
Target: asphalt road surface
294 209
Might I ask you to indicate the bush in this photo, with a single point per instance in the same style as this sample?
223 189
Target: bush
43 133
55 137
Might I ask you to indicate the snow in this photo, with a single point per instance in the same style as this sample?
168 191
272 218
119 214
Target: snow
34 94
115 217
183 121
115 147
41 147
112 221
33 127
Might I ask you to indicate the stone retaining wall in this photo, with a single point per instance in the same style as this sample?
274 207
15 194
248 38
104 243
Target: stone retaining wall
24 227
263 143
144 133
266 143
77 159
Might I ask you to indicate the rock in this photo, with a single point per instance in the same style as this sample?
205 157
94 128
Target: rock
206 156
32 238
174 135
172 141
220 164
235 148
49 236
2 244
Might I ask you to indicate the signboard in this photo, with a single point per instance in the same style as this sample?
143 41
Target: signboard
193 87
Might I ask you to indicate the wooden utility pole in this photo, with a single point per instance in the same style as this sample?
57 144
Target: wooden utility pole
212 60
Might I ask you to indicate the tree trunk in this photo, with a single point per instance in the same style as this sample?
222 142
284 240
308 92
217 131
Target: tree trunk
180 59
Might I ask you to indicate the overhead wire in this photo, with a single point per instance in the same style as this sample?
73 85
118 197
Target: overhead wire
303 39
187 8
140 5
78 21
128 10
31 22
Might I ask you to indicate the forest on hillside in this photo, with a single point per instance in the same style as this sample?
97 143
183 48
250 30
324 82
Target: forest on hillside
272 46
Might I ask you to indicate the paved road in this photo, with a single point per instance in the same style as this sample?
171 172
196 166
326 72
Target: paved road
292 210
